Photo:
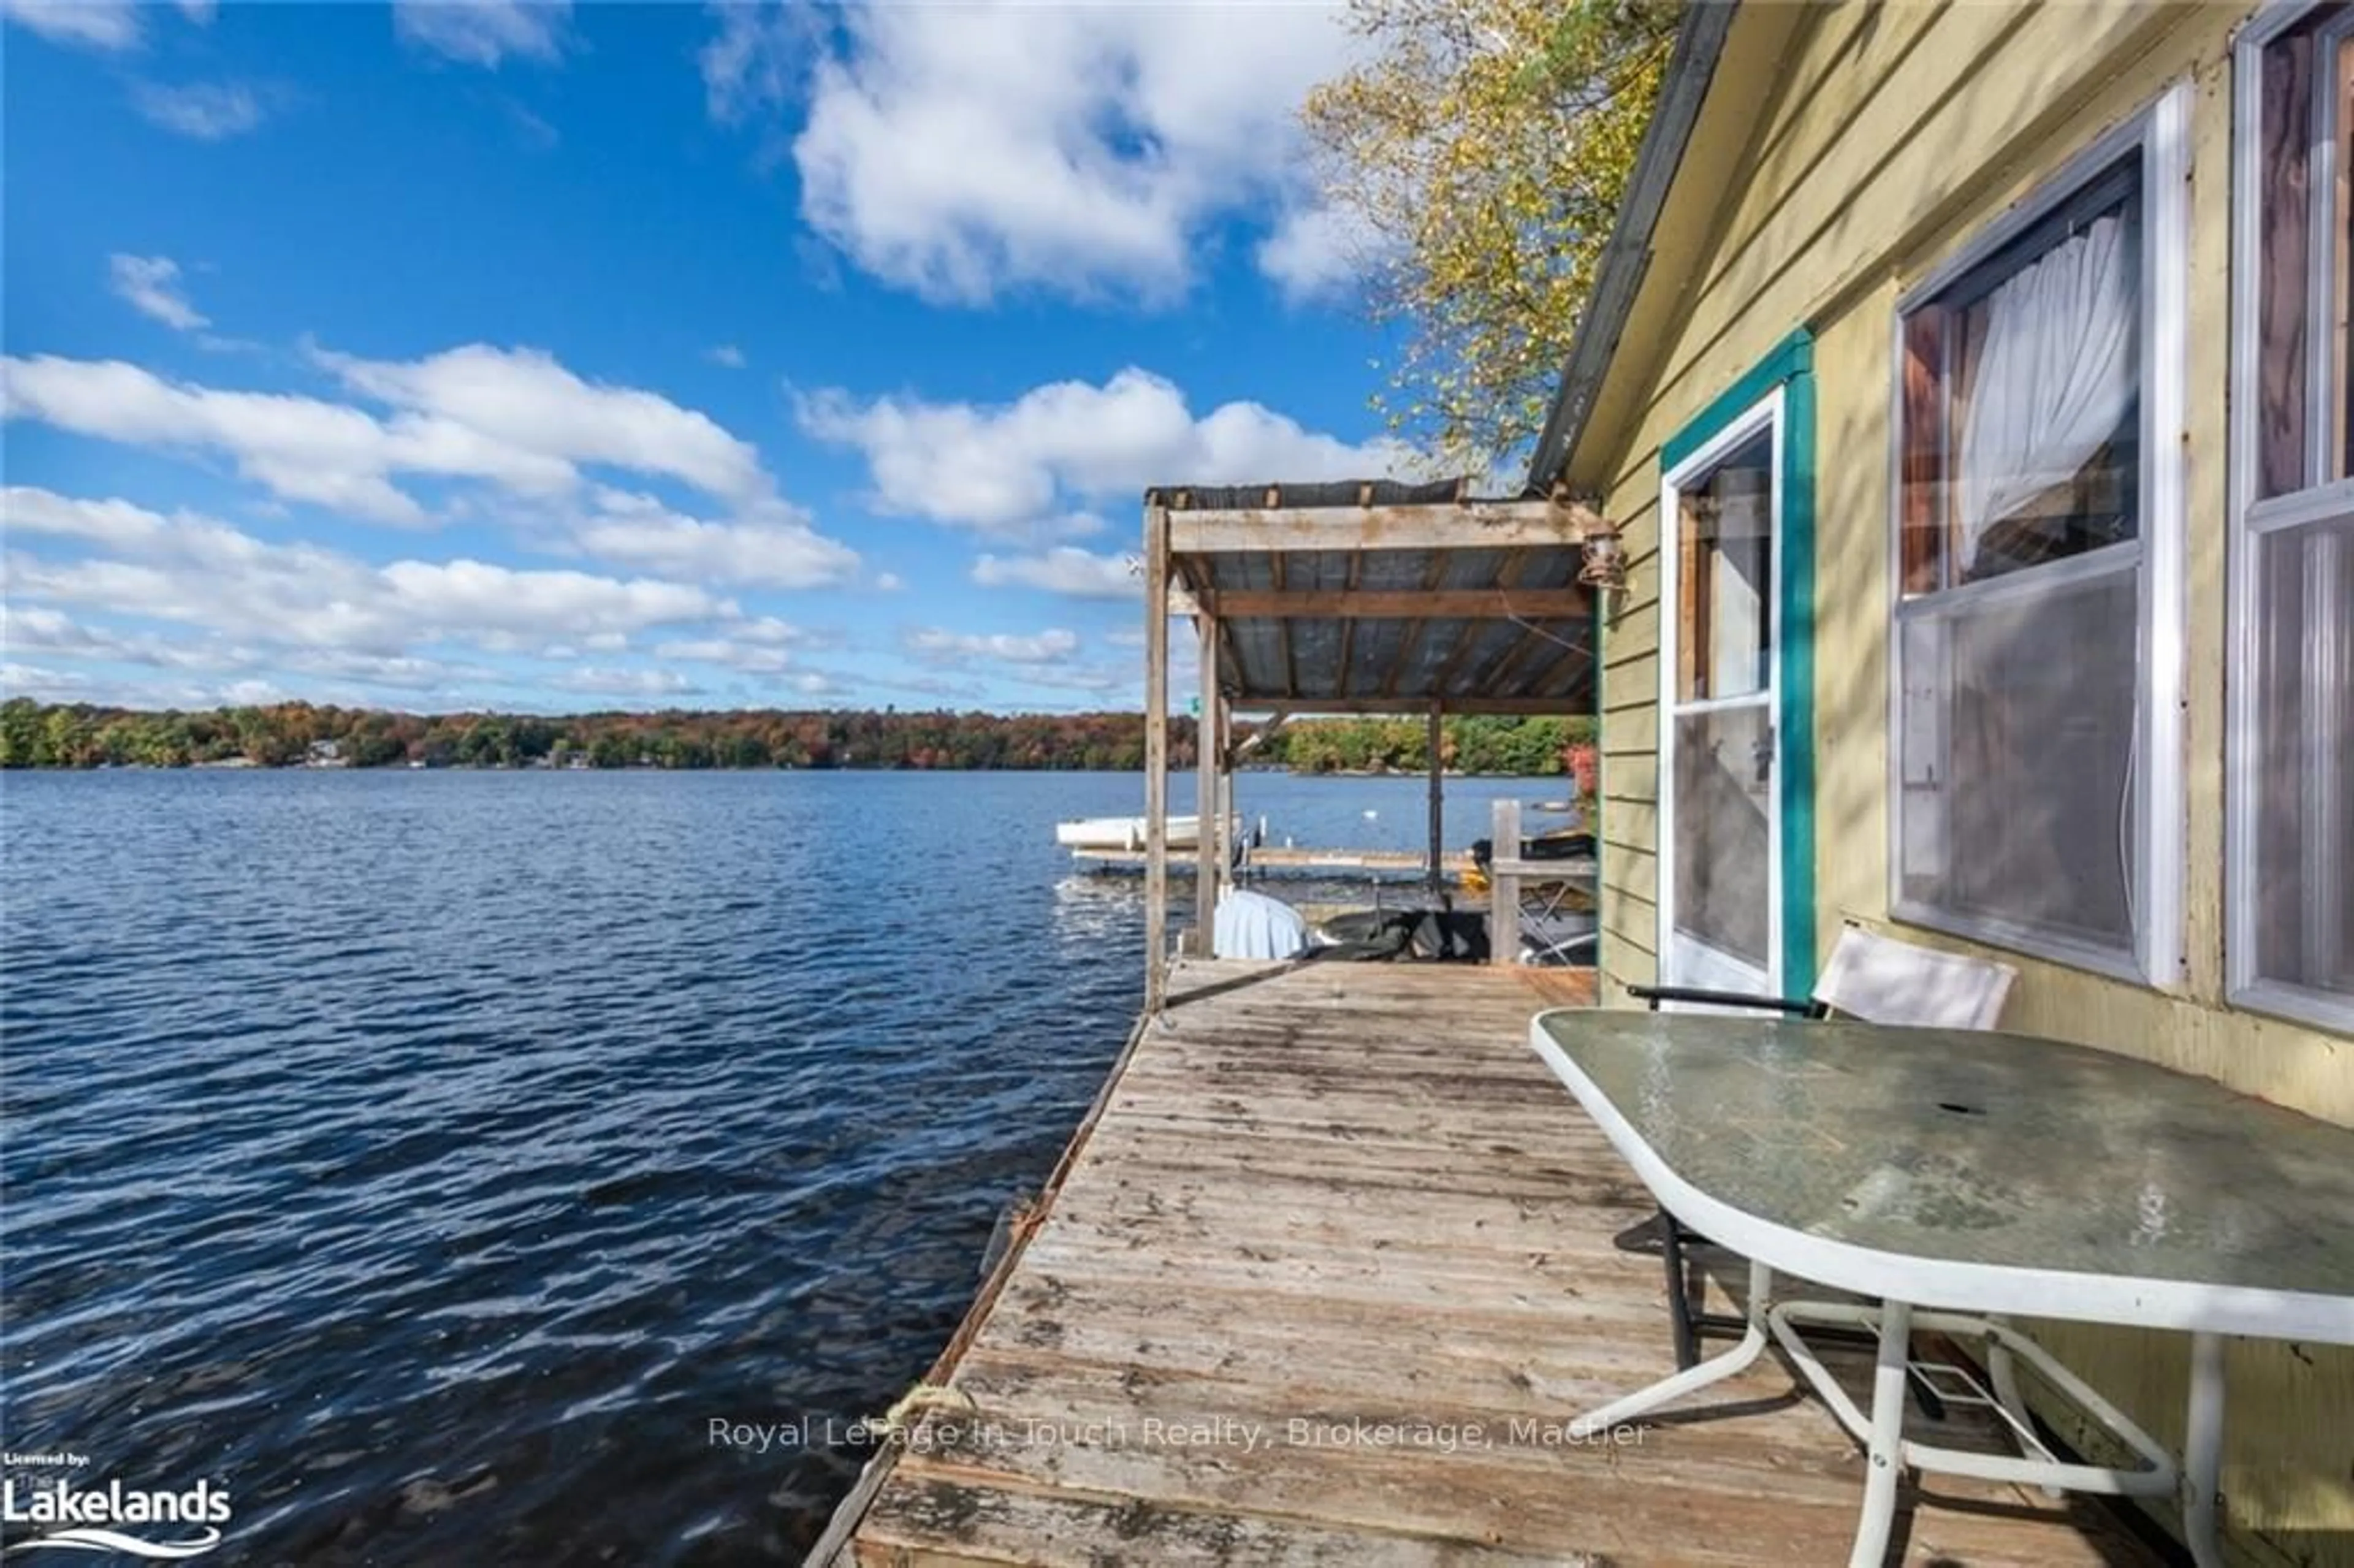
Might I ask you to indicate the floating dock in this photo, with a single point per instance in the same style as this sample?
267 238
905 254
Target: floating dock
1321 1279
1269 859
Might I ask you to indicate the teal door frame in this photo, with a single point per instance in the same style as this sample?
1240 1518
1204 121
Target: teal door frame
1790 368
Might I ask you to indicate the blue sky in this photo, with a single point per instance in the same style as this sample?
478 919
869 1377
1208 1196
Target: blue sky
561 357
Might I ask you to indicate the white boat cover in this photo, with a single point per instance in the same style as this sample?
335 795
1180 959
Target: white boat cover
1253 926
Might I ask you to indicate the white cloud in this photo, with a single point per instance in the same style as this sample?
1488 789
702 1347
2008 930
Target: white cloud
299 448
1097 680
765 646
198 571
522 399
964 151
31 629
756 59
42 683
1005 469
1065 570
401 671
768 632
594 681
1319 253
35 629
152 285
112 24
516 420
1054 646
719 651
484 32
727 354
208 111
223 603
889 582
778 550
250 691
1050 659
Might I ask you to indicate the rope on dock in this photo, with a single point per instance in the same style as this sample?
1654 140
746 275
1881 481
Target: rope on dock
923 1396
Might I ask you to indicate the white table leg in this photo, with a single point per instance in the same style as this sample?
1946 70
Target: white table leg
2203 1450
2002 1370
1884 1455
1714 1369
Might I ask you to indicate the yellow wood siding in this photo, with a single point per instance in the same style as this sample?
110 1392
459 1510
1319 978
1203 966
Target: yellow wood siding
1891 135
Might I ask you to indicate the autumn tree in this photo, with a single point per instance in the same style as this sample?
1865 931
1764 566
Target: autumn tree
1483 146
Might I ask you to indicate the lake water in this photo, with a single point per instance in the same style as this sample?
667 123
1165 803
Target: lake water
430 1159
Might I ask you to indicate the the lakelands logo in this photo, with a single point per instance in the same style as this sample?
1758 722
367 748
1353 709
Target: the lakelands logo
162 1525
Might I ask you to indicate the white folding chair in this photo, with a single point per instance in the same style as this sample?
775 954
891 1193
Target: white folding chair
1875 979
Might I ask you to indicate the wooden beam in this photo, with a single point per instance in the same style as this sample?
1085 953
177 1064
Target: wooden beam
1504 884
1436 526
1259 736
1437 875
1226 823
1206 795
1230 656
1156 757
1573 870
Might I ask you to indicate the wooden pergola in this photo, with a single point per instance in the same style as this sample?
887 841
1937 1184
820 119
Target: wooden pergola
1355 597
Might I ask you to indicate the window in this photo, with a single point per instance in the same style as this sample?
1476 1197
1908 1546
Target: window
2291 928
2033 553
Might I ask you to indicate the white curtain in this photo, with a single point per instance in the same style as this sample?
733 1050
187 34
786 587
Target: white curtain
2054 379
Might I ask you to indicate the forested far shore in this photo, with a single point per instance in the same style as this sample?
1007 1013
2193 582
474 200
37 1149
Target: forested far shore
295 735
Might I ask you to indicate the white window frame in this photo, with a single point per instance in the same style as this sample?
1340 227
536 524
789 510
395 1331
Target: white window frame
2161 131
1765 415
2251 519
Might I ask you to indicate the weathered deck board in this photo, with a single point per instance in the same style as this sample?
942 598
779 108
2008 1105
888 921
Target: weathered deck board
1343 1195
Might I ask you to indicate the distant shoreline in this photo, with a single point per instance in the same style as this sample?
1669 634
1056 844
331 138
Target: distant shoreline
303 736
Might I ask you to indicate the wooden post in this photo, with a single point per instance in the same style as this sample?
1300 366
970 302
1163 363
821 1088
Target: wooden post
1207 794
1437 804
1226 845
1504 910
1156 757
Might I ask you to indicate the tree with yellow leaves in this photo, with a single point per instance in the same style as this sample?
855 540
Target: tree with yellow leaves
1483 146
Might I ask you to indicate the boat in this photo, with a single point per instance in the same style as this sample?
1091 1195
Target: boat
1124 832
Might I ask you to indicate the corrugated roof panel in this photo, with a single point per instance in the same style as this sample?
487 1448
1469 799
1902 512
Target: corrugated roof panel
1410 661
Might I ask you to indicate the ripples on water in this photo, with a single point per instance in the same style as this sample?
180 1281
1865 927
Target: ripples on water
427 1158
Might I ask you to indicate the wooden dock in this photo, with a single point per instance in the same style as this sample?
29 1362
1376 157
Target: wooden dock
1321 1280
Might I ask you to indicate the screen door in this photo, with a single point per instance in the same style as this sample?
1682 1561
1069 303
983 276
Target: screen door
1720 875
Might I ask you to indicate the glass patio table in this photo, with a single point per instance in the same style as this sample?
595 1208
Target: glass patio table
1961 1176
